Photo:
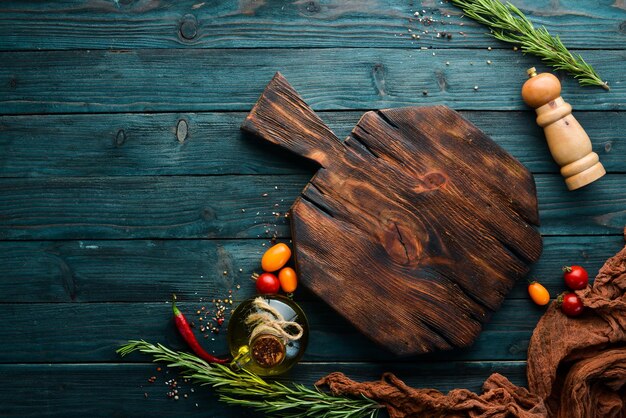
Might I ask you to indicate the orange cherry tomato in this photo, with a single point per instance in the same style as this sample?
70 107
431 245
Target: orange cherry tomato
275 257
288 279
538 293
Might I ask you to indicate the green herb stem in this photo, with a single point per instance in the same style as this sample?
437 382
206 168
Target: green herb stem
507 23
244 388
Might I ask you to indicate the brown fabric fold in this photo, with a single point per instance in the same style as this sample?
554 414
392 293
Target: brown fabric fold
576 367
500 399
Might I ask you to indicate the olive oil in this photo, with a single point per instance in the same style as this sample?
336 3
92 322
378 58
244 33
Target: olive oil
267 349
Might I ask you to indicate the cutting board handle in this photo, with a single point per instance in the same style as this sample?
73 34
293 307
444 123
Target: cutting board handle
282 117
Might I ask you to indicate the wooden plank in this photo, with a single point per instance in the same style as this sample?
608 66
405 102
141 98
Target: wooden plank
118 389
249 24
140 144
144 271
560 210
42 333
103 390
232 79
126 271
135 207
211 207
149 144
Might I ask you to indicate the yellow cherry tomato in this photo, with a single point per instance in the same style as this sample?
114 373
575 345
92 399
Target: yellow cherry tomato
275 257
288 279
538 293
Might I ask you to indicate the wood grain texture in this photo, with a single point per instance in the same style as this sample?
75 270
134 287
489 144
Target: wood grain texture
145 271
257 24
118 389
230 79
160 56
127 271
148 144
405 195
134 207
210 207
91 332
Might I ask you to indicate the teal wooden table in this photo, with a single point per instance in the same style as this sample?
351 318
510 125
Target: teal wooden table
124 177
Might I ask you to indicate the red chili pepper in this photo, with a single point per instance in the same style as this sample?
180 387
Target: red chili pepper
185 331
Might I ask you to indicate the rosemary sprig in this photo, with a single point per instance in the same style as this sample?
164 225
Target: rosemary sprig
507 23
244 388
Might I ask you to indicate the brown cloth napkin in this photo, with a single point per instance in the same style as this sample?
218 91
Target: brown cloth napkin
576 367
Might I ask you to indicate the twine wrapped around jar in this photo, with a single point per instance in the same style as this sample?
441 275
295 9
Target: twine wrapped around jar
267 320
270 333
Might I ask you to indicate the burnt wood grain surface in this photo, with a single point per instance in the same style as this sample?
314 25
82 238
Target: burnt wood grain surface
431 207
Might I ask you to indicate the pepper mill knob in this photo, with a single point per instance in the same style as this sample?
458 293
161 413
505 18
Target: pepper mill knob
568 142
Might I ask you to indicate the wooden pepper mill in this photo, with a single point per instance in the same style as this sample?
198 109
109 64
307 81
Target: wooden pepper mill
568 142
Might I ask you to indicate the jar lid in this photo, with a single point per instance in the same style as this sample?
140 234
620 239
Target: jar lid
267 350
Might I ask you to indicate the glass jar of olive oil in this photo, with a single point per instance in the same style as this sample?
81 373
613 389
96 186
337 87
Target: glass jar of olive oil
267 335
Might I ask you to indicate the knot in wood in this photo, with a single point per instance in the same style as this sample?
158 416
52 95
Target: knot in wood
378 76
188 27
120 138
441 80
182 129
400 240
208 214
313 7
433 180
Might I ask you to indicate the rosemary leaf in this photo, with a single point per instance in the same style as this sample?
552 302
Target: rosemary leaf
244 388
508 24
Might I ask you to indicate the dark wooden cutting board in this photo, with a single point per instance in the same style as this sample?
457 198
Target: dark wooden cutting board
414 228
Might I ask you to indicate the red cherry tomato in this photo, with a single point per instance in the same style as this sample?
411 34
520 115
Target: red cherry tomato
571 305
576 277
267 284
